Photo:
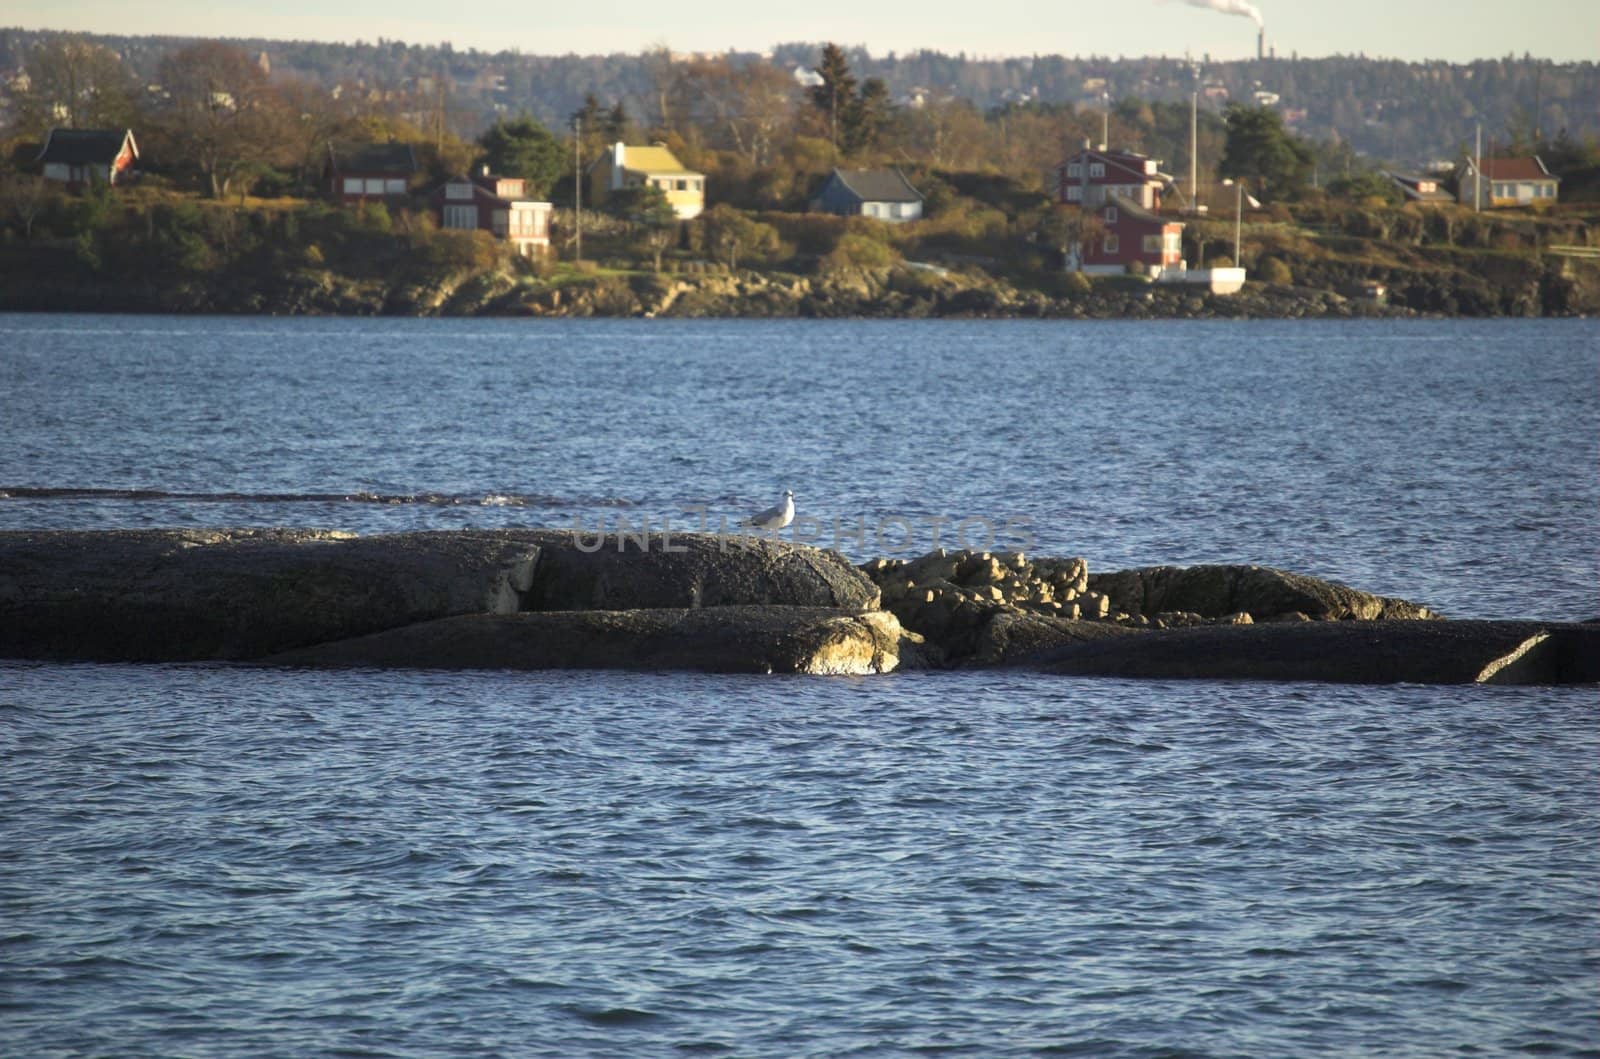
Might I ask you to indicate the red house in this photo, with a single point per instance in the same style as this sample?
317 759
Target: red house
497 205
1091 177
370 171
1130 238
84 156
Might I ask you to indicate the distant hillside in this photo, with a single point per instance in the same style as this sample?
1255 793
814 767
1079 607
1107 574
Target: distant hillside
1406 113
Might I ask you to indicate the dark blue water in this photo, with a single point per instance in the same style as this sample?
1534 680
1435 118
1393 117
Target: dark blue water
208 861
1450 462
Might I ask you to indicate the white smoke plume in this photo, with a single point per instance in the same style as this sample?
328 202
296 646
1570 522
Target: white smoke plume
1231 7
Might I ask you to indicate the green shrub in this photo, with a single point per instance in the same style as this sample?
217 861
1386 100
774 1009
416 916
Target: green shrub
375 218
1074 284
1272 270
859 251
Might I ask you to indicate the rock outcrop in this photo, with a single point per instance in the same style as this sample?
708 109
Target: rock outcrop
630 572
733 639
1172 595
538 599
1350 652
181 595
992 609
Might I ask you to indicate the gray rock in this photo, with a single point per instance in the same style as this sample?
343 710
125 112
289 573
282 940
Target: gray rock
1366 652
733 639
1265 593
173 595
1013 637
687 570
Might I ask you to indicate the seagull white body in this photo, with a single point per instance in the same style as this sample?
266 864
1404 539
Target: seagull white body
775 518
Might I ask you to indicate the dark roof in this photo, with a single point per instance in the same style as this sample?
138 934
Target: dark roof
878 185
397 159
1515 169
85 146
1411 185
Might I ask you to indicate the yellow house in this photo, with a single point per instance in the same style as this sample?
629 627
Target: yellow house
623 166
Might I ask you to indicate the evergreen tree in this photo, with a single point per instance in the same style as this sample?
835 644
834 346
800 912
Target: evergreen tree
836 95
524 148
868 115
616 123
1261 150
589 124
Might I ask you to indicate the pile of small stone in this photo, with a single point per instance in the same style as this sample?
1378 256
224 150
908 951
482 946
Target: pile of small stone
949 596
946 580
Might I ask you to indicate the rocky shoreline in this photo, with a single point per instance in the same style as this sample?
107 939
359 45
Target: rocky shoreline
896 293
540 599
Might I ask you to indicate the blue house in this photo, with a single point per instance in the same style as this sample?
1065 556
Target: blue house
885 194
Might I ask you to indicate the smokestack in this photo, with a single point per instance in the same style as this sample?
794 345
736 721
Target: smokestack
1261 44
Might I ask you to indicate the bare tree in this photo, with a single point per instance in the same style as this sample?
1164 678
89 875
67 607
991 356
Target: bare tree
312 118
746 107
221 115
75 84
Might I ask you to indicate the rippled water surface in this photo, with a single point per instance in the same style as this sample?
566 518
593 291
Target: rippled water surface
1450 462
210 861
213 861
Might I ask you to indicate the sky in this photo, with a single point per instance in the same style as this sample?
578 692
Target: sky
1457 31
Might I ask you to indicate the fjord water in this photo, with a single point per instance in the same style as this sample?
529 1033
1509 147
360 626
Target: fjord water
215 861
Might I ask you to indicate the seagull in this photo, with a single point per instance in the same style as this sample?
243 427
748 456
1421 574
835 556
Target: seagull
774 518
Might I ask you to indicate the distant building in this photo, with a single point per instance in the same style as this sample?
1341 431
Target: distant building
624 167
1421 189
79 157
1092 177
370 171
885 194
1130 238
497 205
1506 182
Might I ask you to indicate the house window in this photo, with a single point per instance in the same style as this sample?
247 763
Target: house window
1074 169
394 187
1151 244
352 185
1111 215
1074 193
680 185
461 217
1097 169
458 191
1112 244
500 222
374 186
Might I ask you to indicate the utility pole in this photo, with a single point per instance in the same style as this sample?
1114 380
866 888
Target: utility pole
1238 217
577 187
1477 166
1194 142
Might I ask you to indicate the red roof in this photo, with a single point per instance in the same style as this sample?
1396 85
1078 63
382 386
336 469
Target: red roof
1515 169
